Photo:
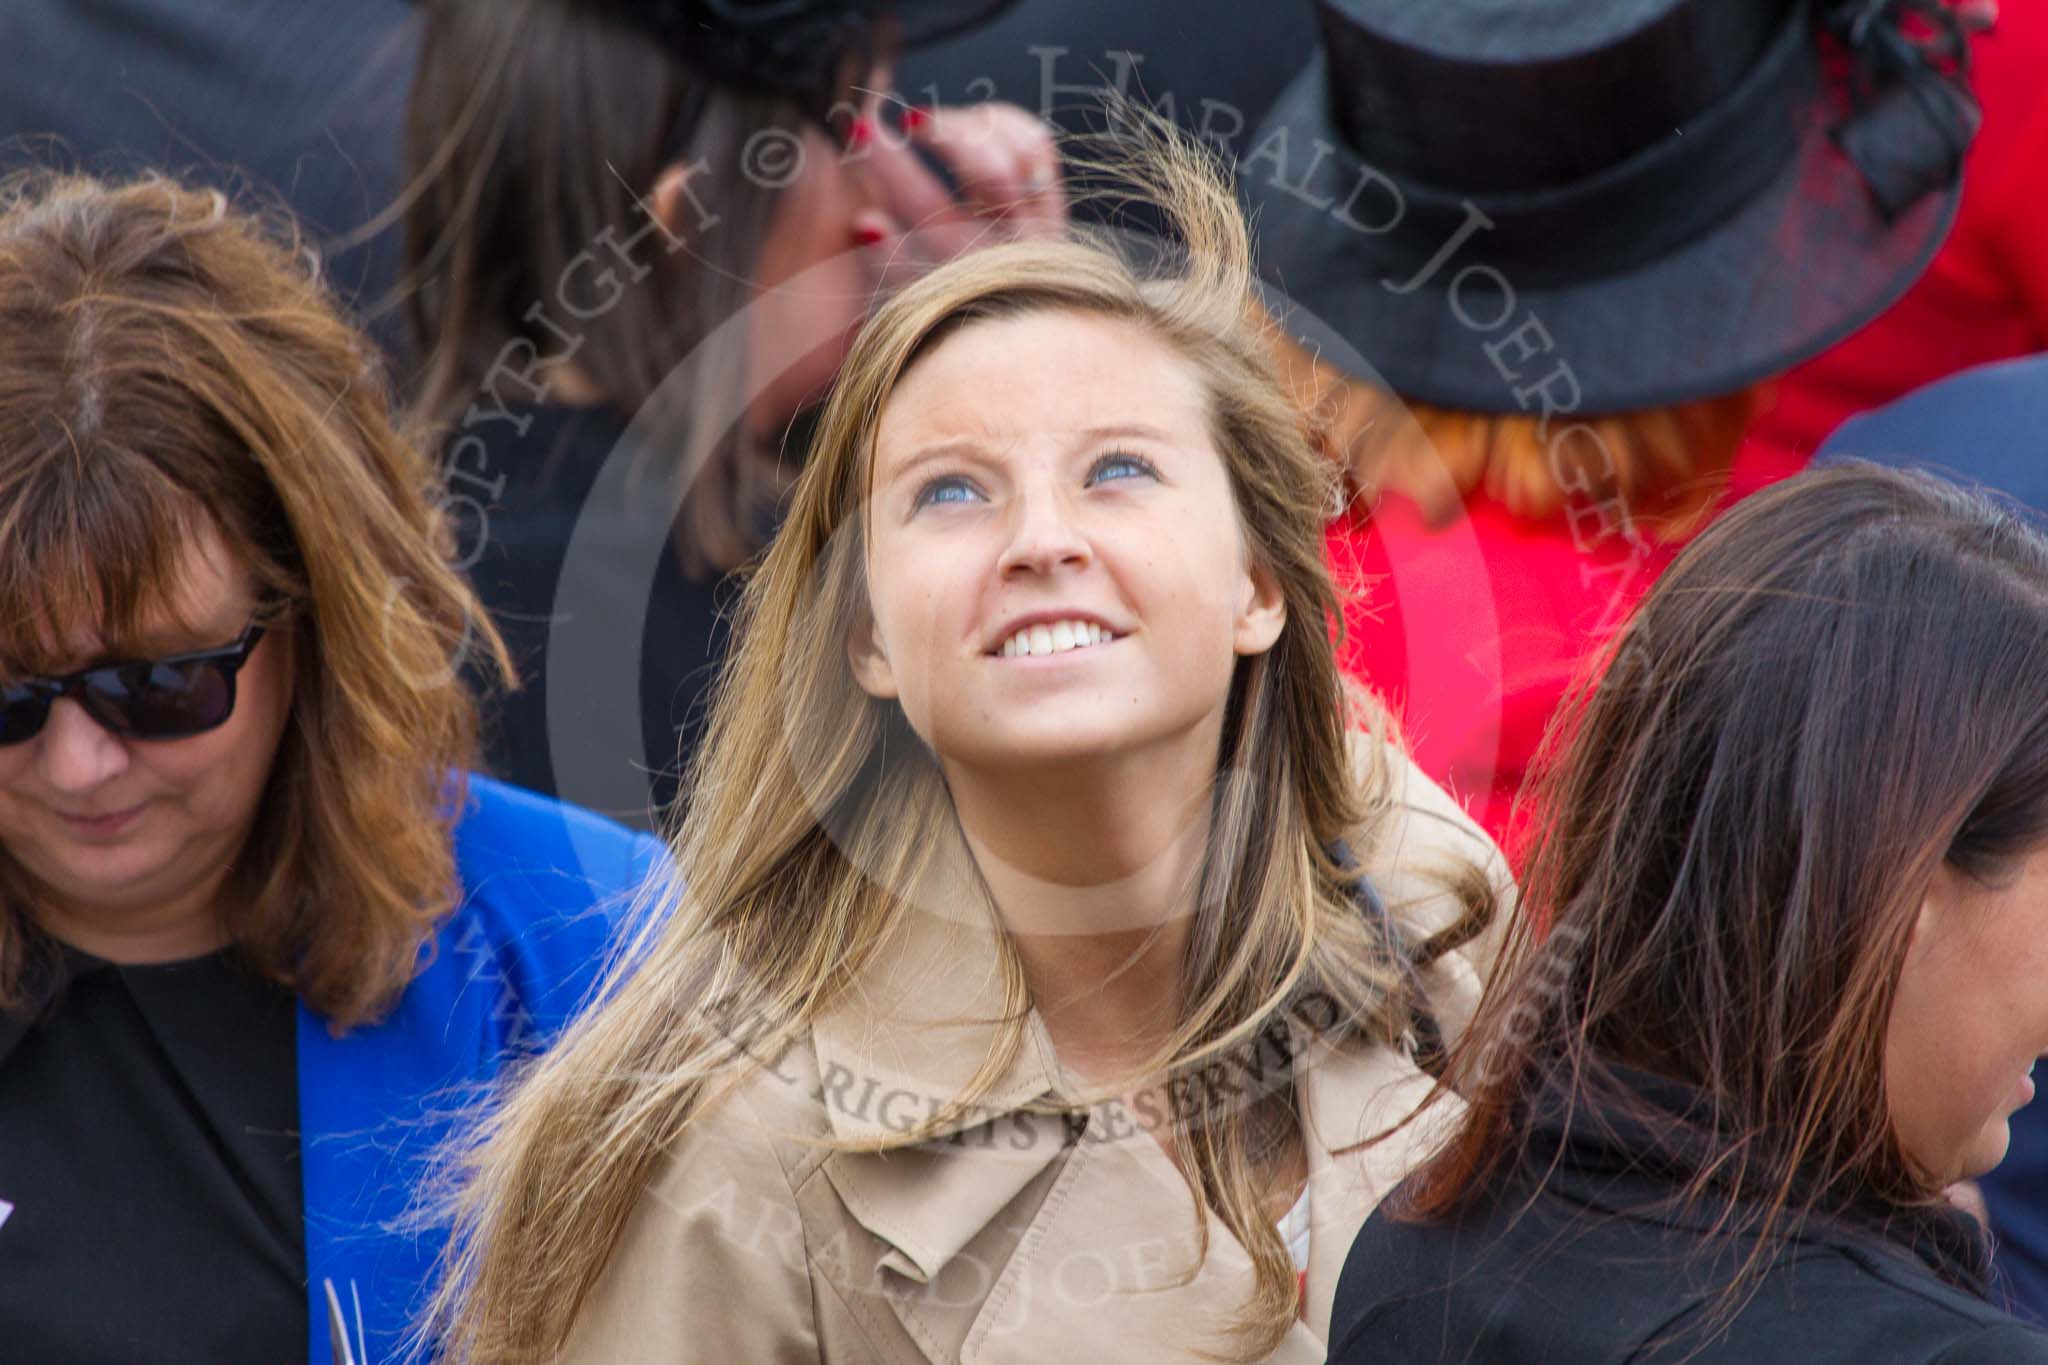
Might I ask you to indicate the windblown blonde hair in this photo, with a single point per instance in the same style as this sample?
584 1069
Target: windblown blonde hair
174 365
813 803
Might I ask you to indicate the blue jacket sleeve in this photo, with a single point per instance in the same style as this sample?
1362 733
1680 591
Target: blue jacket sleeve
545 888
548 887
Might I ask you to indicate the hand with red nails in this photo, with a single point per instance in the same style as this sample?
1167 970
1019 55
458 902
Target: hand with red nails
872 210
1002 160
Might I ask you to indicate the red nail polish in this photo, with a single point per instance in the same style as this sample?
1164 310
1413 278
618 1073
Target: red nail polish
915 118
867 234
861 133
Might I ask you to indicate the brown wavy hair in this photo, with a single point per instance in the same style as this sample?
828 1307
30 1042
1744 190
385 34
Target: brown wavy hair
1838 689
174 363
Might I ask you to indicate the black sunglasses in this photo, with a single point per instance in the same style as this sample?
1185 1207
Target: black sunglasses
186 694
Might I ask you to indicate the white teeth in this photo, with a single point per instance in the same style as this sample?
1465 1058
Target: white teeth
1054 638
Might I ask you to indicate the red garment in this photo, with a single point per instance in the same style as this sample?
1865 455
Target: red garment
1985 296
1474 633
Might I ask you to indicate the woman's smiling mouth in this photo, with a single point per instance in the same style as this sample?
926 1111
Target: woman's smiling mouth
101 827
1054 637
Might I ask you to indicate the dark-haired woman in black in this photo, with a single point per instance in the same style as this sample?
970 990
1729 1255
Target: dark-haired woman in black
1783 973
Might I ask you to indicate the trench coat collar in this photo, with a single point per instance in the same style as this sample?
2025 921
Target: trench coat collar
924 1013
922 1017
916 1029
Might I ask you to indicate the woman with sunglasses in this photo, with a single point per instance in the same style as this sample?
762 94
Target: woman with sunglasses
254 919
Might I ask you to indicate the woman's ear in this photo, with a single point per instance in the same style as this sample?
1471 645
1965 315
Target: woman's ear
870 665
1262 613
1937 912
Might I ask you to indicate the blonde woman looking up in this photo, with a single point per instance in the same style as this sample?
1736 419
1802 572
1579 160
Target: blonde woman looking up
1053 937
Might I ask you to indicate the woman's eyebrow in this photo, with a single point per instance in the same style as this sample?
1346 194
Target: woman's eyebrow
167 638
1126 431
966 448
944 450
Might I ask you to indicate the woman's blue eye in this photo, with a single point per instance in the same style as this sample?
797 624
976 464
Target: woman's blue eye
950 488
1121 466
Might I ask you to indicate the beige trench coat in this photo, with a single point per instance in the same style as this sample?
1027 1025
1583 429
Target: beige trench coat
1024 1238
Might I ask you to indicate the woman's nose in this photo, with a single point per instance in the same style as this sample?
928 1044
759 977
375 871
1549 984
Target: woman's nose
1045 533
74 752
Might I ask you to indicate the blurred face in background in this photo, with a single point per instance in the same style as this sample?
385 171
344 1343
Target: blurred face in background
813 285
862 219
1969 1019
126 843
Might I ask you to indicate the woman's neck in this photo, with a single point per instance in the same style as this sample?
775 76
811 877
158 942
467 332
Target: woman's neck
1094 873
187 925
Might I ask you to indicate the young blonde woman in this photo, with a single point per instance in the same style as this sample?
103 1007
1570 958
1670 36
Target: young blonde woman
1052 936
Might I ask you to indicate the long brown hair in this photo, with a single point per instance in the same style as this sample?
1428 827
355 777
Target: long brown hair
173 364
814 804
1840 687
534 128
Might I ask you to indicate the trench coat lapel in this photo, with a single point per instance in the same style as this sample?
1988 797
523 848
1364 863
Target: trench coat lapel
1117 1235
1107 1236
912 1035
1114 1255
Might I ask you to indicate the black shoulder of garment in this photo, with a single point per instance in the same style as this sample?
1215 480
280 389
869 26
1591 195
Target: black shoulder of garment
562 522
150 1198
1596 1261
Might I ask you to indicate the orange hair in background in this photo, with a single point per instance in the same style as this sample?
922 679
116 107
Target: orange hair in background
1668 464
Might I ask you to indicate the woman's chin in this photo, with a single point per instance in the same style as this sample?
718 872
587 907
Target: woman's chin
1044 752
1988 1150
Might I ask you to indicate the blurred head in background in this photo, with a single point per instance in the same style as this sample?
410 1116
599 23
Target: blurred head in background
599 187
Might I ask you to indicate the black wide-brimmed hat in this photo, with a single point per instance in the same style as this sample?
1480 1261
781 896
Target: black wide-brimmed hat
1674 198
795 47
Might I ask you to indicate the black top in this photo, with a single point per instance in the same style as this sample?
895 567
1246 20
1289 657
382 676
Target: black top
1601 1267
571 472
149 1148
